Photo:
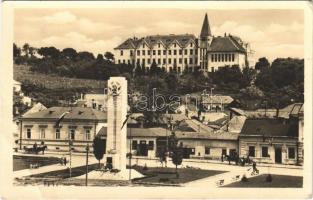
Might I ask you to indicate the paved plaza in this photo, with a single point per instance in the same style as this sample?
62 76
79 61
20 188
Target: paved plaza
234 173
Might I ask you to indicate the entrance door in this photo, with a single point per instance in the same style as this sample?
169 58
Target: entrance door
278 155
143 150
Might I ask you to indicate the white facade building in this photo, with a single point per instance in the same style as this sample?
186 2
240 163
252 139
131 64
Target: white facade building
185 52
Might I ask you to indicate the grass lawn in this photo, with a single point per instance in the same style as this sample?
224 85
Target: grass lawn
278 181
65 173
22 73
23 162
168 175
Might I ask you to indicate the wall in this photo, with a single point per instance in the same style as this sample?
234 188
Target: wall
284 143
151 153
50 140
239 59
143 47
215 146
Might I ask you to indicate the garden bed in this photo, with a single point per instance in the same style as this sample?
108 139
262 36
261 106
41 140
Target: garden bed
278 181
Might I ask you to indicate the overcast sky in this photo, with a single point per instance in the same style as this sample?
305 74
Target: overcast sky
271 33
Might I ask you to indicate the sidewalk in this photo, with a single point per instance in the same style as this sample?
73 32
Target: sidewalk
77 161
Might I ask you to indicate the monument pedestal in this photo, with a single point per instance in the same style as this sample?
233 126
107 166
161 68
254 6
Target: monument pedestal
117 130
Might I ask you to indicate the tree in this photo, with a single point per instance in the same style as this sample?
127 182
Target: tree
153 68
177 151
100 57
69 53
171 81
109 56
49 52
98 148
248 76
262 64
85 55
138 70
26 49
16 51
32 51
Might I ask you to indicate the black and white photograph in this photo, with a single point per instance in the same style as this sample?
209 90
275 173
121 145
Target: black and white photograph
174 96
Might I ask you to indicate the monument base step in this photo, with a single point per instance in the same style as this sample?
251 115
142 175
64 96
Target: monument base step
107 175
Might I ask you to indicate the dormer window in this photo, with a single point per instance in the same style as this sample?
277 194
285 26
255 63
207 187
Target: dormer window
191 44
174 44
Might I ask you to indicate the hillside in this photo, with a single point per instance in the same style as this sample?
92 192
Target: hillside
23 74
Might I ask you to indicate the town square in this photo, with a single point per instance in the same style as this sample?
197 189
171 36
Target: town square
181 97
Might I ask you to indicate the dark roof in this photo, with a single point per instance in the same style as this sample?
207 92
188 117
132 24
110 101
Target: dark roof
162 132
225 44
166 40
205 30
268 127
78 113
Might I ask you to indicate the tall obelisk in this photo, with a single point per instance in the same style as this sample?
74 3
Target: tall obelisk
116 114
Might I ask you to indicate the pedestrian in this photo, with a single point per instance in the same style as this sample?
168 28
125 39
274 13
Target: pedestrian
255 170
61 161
222 157
236 158
64 161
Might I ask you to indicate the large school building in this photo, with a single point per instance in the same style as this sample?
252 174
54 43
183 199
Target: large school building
185 51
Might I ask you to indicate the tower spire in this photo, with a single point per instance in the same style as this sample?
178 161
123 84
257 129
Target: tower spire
205 30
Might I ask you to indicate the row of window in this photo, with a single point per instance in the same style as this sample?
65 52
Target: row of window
164 61
136 146
264 152
57 134
159 52
222 57
159 45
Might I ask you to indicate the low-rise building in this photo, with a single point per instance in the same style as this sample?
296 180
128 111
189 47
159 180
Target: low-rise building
56 126
270 140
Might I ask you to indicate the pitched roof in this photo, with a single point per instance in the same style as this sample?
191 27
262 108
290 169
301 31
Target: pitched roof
151 40
78 113
36 108
205 30
268 127
225 44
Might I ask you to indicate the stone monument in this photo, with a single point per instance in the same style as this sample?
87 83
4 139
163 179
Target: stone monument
116 115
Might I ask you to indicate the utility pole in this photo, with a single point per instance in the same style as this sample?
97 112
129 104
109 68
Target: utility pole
130 152
87 152
70 146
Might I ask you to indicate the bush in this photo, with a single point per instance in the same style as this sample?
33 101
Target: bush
164 179
244 178
114 170
269 178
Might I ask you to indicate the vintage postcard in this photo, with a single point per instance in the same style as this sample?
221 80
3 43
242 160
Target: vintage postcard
140 100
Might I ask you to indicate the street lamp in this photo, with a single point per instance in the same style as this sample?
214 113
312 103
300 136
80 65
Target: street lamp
87 152
70 149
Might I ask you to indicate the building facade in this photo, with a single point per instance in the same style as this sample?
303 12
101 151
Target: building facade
270 140
185 51
57 126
